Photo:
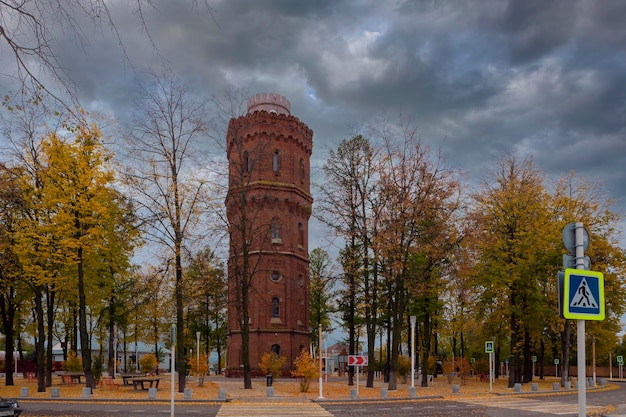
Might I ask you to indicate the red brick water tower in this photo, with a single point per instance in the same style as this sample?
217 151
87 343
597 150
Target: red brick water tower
268 208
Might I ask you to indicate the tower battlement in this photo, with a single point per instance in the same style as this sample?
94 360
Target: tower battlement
270 102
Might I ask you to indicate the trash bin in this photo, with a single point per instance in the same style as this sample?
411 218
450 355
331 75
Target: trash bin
268 380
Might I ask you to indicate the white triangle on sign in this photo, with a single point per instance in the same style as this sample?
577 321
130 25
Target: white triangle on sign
584 297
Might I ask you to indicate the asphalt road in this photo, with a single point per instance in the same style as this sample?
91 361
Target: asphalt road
496 406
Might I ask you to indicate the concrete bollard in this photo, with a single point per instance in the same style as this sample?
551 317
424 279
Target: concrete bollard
455 388
269 391
24 392
412 392
187 394
383 392
575 384
556 386
55 392
152 392
353 394
568 385
601 382
221 394
86 392
534 386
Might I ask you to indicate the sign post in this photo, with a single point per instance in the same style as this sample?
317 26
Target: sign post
357 361
556 367
489 350
620 364
582 297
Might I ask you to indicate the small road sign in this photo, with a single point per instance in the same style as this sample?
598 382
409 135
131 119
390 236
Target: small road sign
489 346
357 360
620 359
583 295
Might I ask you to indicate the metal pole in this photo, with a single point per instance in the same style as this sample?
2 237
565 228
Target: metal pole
580 329
173 350
198 354
319 348
413 351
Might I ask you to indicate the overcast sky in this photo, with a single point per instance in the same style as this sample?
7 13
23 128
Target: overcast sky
479 79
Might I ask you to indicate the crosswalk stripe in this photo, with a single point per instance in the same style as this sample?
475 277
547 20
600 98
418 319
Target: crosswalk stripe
272 410
529 404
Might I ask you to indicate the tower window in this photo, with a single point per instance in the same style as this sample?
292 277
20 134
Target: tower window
301 234
275 307
275 349
246 161
301 168
275 277
276 162
275 232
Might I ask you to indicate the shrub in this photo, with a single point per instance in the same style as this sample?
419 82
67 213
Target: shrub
272 364
199 366
98 367
404 368
306 370
73 364
148 363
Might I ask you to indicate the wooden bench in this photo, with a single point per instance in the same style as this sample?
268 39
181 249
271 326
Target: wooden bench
127 378
142 381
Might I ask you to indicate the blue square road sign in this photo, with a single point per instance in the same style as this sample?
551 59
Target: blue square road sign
583 295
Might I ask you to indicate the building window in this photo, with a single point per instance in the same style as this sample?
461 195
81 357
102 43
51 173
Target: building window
276 162
275 307
301 168
275 277
246 161
275 232
301 235
275 349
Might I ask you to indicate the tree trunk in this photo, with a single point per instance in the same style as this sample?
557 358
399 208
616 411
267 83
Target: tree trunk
425 349
50 295
181 362
111 355
7 310
85 346
566 347
40 341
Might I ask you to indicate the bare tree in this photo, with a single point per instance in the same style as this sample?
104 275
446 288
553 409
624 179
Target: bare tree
29 27
167 182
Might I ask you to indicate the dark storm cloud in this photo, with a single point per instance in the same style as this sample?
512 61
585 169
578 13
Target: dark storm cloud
479 78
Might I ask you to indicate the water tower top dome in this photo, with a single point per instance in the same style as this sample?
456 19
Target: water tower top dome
270 102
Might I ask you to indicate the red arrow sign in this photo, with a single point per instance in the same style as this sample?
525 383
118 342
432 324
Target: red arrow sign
357 360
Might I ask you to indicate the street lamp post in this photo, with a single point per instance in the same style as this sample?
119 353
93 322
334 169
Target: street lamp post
198 354
413 319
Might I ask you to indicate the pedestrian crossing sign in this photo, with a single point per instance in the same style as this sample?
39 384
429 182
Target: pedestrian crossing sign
583 293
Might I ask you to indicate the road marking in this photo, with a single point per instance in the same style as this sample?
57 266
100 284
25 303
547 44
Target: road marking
530 404
272 410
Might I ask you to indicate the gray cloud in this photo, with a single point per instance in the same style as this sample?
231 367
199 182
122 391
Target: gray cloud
479 78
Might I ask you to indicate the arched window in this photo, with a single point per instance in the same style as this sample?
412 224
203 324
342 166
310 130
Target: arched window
275 349
301 168
246 158
276 162
275 308
275 231
301 234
